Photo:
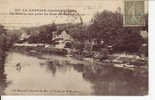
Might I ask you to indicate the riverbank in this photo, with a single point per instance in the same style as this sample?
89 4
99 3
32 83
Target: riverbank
138 65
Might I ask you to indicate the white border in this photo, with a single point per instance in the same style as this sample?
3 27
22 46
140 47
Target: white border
151 95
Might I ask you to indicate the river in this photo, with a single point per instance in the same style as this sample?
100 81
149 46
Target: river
57 75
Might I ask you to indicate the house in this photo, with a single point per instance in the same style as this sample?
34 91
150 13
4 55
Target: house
62 35
62 39
24 36
144 34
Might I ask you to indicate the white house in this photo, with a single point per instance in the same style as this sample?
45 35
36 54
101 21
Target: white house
144 34
24 36
62 39
63 35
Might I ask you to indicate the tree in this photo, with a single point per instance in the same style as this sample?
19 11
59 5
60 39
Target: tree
108 26
2 48
43 34
78 32
2 38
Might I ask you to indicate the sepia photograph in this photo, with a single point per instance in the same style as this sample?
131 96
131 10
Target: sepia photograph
74 47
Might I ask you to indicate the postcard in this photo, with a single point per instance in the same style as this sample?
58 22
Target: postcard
74 47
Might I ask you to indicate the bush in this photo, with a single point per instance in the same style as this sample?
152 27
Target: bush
42 34
78 45
130 42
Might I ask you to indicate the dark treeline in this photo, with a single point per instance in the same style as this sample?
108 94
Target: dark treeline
105 26
6 41
108 26
3 47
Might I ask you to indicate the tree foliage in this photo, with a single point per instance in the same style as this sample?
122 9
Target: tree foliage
78 32
108 26
42 34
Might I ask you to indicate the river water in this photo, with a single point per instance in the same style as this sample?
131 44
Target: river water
57 75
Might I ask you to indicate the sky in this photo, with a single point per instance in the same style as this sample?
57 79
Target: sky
86 7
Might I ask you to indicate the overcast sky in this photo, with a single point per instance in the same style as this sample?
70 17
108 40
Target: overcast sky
87 7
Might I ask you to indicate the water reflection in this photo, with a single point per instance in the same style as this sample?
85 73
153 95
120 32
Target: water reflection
106 80
113 81
51 72
43 74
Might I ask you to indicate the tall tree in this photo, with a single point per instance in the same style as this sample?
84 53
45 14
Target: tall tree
108 26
